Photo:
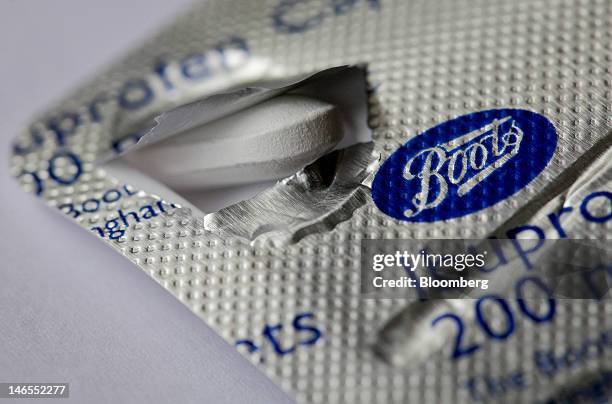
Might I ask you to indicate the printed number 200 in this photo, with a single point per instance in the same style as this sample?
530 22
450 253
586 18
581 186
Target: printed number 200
462 349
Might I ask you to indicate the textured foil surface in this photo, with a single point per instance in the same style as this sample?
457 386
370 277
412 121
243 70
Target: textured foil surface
290 300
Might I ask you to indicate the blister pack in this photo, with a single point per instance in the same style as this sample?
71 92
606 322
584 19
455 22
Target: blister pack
486 120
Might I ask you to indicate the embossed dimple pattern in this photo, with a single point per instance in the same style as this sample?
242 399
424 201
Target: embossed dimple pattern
426 62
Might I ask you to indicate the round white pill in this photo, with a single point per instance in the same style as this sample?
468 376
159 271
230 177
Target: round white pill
271 140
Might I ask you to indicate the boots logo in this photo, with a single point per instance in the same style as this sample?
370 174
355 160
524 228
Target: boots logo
464 165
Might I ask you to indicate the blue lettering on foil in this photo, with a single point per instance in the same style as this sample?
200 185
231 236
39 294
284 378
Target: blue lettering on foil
135 94
297 16
464 165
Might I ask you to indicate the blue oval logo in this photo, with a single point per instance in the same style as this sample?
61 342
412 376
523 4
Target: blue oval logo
464 165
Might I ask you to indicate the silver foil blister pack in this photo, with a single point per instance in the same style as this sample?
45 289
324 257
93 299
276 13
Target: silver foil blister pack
279 275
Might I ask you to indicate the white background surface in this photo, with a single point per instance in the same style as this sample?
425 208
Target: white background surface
71 309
